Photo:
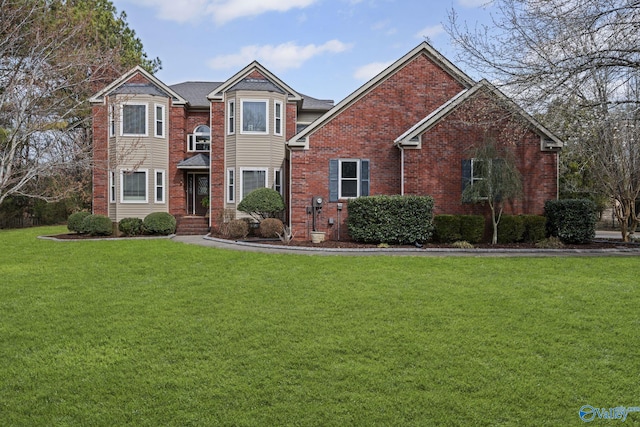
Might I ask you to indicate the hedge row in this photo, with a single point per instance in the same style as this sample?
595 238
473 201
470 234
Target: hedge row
161 223
452 228
391 219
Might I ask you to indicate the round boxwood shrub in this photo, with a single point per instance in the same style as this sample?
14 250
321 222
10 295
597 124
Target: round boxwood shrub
447 228
237 229
162 223
97 225
74 222
131 226
270 227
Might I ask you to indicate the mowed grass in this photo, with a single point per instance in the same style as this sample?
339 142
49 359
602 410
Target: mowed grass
154 332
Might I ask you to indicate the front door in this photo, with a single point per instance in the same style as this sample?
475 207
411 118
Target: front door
197 190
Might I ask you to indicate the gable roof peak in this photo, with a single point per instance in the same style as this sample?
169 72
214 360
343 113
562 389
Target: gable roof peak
254 71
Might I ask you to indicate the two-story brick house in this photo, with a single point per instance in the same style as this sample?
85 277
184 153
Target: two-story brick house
166 148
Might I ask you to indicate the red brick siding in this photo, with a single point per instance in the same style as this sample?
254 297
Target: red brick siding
366 130
177 152
218 172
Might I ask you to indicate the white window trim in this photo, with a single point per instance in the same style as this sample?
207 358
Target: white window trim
112 121
357 178
146 186
276 118
266 117
231 185
159 185
146 119
192 143
231 118
243 170
161 119
275 175
112 187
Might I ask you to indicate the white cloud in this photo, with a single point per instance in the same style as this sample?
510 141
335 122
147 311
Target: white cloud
371 70
221 11
430 32
474 3
277 58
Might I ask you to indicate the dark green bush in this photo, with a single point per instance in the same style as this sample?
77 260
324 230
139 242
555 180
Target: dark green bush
262 203
572 220
447 228
270 227
162 223
97 225
472 228
510 229
131 226
390 219
75 220
534 228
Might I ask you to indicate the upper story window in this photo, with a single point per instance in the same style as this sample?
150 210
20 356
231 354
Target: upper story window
254 116
277 117
133 120
231 125
159 121
112 120
200 140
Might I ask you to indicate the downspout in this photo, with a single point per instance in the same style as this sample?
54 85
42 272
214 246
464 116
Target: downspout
286 146
401 169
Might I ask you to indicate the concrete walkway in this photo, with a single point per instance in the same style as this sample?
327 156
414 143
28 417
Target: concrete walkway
622 250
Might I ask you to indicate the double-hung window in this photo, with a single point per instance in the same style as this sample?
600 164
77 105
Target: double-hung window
277 180
231 185
133 186
277 118
159 121
254 116
112 186
231 111
133 120
200 139
159 186
348 178
112 120
252 179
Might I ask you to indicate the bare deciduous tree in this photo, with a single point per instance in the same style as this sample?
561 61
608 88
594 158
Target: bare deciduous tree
51 59
583 54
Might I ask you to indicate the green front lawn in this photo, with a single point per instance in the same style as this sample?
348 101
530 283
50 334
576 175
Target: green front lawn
154 332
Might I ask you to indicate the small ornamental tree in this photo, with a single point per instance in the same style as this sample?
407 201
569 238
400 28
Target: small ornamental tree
494 179
262 203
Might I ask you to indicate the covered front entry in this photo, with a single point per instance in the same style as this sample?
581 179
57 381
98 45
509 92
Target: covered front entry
197 191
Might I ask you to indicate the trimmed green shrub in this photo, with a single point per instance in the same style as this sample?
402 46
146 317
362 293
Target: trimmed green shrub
270 227
162 223
75 220
572 220
447 228
391 219
262 203
131 226
510 229
472 228
534 228
97 225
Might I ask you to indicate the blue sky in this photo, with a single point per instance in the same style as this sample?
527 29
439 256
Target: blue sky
322 48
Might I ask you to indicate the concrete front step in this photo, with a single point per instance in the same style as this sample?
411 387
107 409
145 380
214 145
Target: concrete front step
190 226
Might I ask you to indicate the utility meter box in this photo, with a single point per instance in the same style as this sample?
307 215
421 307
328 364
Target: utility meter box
317 202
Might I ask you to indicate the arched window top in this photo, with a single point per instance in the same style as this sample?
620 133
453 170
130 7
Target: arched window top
202 130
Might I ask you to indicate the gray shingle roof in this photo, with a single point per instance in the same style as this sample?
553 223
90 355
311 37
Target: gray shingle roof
199 161
196 92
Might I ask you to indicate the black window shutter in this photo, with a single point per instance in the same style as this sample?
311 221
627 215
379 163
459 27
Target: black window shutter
333 180
466 173
364 177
